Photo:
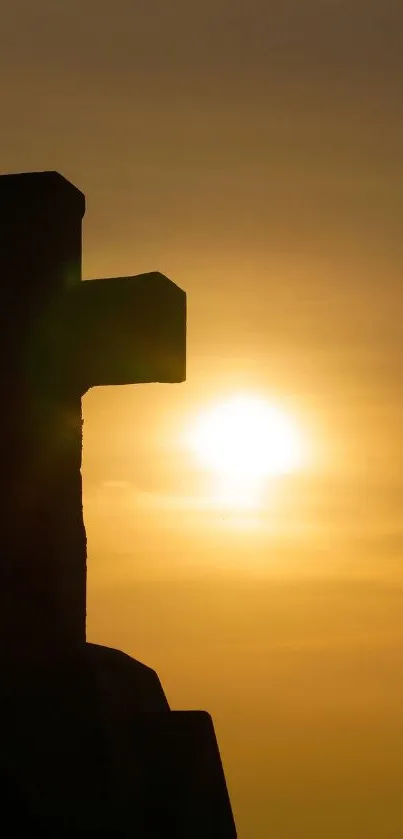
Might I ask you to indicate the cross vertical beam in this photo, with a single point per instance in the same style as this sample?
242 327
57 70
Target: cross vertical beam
58 337
43 540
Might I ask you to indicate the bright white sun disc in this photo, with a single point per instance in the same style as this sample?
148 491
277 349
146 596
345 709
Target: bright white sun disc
247 437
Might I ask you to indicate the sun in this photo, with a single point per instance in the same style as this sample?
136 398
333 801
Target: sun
246 438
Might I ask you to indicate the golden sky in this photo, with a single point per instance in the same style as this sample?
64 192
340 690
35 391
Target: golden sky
252 152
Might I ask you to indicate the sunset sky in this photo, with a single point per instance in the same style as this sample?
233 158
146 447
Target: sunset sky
252 152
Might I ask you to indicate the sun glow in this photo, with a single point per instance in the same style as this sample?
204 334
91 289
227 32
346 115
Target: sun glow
244 441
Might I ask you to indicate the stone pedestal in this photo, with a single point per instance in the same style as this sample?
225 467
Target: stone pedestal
91 748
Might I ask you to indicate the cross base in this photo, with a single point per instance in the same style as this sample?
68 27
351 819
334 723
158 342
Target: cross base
91 748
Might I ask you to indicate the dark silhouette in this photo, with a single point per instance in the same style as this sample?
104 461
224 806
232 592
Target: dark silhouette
89 745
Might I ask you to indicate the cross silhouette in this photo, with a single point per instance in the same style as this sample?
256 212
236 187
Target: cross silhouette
58 337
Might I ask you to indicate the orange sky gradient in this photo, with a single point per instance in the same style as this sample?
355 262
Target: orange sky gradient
251 152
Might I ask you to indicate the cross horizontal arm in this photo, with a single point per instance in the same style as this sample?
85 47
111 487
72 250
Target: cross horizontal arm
121 330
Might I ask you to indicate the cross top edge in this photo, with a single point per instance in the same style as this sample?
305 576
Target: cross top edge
39 188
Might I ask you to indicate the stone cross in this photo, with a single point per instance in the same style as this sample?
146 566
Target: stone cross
58 337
